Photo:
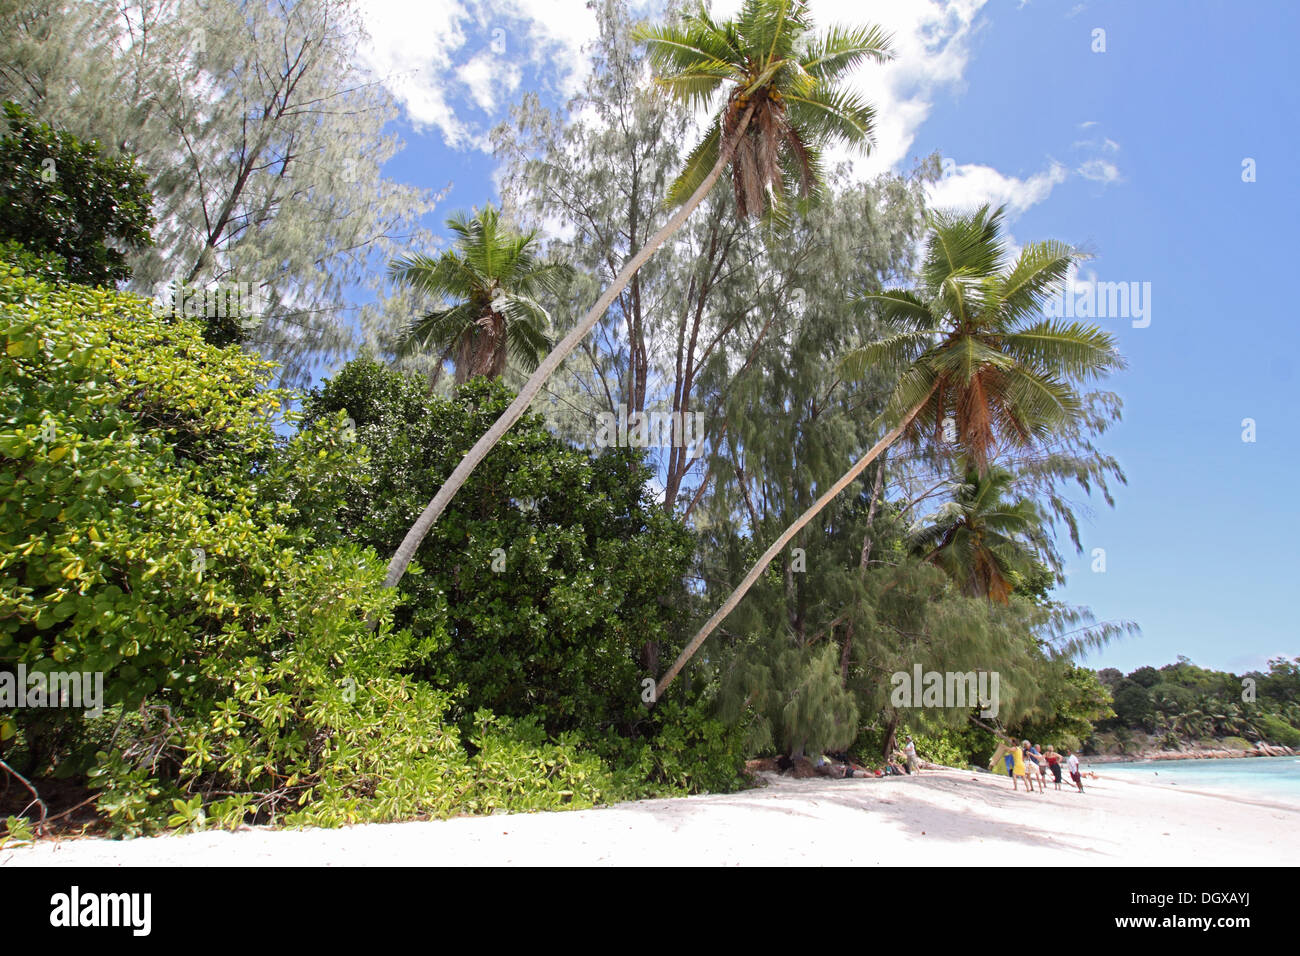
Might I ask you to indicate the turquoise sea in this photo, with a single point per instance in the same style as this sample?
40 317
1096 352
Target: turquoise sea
1261 777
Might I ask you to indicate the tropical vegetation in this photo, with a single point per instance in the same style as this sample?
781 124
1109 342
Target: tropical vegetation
338 565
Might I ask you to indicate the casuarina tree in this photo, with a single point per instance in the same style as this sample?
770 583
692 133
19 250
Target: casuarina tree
974 350
779 95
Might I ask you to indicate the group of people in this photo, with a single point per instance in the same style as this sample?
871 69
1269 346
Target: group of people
1025 760
902 762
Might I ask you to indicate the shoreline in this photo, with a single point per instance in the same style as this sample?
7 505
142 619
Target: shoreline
1198 754
941 817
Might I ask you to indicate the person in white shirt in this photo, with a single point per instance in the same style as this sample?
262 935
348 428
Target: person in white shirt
913 765
1072 764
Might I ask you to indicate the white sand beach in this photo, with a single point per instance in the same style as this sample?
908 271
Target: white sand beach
943 817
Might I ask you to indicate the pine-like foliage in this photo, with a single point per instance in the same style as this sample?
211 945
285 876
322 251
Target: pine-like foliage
262 138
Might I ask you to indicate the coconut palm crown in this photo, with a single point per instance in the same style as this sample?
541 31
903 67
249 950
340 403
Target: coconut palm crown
973 343
985 540
488 285
783 95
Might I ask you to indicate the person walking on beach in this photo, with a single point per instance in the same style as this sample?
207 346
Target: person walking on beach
1073 764
1003 752
1023 758
1054 764
1018 769
1041 763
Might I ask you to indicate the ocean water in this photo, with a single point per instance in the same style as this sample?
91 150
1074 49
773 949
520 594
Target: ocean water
1261 777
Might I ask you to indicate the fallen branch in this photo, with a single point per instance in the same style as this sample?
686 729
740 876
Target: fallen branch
36 798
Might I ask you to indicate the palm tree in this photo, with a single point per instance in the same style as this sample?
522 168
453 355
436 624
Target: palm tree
488 284
777 85
973 346
984 542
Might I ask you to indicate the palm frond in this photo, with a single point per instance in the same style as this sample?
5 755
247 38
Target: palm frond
890 354
438 330
1039 270
829 114
1078 350
966 245
698 165
832 55
898 309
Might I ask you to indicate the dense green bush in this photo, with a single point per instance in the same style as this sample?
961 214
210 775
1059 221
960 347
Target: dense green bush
154 527
146 516
63 199
551 572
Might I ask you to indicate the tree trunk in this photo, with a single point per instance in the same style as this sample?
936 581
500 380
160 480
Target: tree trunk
411 543
845 654
863 557
777 546
889 735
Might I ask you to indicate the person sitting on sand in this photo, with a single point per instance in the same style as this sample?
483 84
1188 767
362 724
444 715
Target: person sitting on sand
1073 764
1054 764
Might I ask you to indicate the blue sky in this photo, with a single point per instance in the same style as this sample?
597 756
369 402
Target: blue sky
1135 153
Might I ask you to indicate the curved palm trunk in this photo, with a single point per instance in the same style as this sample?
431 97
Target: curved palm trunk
411 543
730 604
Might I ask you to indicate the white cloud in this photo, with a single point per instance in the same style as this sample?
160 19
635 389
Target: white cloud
1100 171
1105 145
490 79
455 65
969 186
444 59
1097 168
411 47
447 59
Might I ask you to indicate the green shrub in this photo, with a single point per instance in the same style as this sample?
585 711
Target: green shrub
951 748
549 574
1278 731
684 749
69 204
154 528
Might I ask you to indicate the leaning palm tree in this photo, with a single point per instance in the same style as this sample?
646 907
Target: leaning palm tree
776 86
973 348
487 287
983 541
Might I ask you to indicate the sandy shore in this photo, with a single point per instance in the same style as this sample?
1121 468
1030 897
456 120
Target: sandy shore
938 818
